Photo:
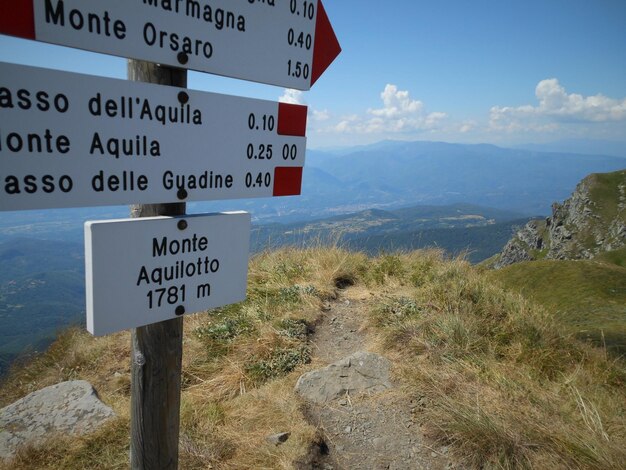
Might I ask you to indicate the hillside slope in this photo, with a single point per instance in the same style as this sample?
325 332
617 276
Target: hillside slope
491 379
591 221
588 297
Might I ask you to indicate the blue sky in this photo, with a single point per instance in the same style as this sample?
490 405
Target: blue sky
497 71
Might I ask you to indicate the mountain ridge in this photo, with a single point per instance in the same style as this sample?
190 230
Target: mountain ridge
591 221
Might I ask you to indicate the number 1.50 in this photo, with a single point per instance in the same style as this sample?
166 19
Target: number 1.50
298 69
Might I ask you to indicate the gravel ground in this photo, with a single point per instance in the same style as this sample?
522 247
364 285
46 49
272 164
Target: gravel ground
366 432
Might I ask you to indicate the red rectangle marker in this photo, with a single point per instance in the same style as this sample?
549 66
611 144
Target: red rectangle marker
17 18
292 119
287 181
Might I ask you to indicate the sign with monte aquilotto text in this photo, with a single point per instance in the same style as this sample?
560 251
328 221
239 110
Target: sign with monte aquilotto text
71 140
143 271
280 42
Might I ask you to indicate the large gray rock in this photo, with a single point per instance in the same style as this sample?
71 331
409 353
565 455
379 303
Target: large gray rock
362 372
69 408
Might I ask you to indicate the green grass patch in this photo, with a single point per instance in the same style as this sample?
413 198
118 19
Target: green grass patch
605 192
280 362
617 257
294 328
384 267
223 326
587 298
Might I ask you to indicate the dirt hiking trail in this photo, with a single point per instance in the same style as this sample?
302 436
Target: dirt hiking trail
369 431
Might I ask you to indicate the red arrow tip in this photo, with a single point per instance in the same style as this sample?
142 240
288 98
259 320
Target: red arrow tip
326 47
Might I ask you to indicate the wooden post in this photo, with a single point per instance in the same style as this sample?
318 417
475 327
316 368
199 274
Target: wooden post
157 349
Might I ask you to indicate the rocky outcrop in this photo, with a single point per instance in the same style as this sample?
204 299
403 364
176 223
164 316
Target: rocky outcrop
591 221
71 408
362 372
522 245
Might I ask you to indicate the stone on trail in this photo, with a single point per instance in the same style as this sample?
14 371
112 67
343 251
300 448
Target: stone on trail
362 372
68 408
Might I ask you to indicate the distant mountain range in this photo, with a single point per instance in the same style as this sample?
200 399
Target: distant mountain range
390 175
387 175
586 146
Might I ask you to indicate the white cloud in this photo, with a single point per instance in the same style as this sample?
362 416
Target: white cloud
291 96
323 115
555 114
396 103
468 126
399 114
557 106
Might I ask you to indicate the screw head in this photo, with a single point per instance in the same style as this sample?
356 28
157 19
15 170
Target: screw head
182 194
183 58
183 97
180 310
182 224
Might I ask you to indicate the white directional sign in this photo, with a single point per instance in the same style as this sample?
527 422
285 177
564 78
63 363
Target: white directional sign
69 140
143 271
281 42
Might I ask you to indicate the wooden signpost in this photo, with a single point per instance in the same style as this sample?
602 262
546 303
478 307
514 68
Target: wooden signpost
69 140
156 349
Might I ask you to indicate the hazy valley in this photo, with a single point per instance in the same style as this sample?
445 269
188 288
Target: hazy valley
464 199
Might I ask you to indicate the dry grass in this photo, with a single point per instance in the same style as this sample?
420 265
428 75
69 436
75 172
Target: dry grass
240 364
502 385
497 380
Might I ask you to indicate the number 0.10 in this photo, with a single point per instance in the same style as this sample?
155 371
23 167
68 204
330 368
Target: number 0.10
266 122
308 9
